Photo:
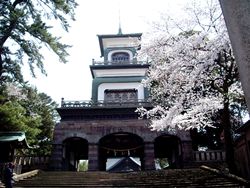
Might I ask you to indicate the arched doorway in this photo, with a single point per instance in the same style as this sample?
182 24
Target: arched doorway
74 150
124 148
167 149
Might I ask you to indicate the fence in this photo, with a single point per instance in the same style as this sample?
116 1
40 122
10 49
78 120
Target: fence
31 160
209 156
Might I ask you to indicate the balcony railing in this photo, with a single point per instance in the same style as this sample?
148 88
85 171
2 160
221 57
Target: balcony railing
133 62
100 103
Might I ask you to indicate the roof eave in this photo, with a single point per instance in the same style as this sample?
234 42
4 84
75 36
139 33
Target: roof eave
100 37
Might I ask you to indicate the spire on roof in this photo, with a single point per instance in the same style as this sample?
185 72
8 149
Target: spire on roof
120 29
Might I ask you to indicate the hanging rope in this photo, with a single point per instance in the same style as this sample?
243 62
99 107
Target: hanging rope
122 151
111 149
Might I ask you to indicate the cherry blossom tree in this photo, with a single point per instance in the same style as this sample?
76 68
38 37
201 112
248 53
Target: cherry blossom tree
193 74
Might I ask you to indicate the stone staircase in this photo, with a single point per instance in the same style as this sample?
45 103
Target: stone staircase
168 178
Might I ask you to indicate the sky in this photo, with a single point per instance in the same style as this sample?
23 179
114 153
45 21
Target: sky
73 80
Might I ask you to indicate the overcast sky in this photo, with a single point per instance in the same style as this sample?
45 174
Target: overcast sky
73 80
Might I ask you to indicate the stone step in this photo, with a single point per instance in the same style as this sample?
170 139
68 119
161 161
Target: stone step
167 178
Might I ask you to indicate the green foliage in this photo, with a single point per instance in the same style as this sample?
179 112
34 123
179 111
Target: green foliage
162 162
208 137
32 112
83 166
25 30
189 33
13 117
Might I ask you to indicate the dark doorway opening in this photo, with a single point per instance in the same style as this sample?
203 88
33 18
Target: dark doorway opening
119 146
74 150
168 152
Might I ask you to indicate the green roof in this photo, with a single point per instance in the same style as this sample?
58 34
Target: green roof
16 137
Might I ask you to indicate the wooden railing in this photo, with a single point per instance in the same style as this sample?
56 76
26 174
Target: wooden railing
209 156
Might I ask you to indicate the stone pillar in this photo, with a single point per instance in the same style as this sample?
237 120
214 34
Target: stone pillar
148 161
93 164
187 152
237 16
56 157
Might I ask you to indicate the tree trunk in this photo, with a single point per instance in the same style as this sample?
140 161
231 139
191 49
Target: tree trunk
229 146
1 66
